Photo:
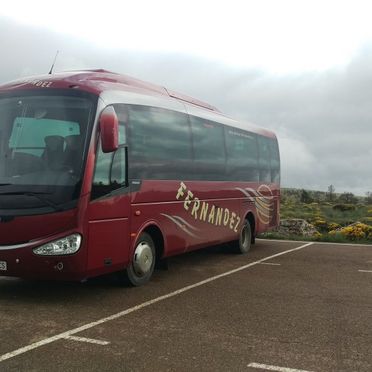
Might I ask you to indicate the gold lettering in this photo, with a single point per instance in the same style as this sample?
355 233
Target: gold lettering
232 220
195 208
226 217
219 216
187 201
237 224
211 214
204 211
181 190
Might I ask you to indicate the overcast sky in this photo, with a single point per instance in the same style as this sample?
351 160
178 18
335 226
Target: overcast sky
300 68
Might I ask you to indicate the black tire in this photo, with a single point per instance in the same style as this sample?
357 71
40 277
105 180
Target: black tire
142 264
243 245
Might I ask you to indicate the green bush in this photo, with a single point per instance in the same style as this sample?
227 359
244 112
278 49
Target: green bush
344 207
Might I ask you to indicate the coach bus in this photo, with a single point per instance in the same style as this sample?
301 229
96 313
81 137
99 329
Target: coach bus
100 173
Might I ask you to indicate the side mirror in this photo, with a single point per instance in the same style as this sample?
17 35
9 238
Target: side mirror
109 127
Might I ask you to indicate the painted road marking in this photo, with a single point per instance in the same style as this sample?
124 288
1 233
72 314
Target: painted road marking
89 340
270 263
317 243
365 271
268 367
120 314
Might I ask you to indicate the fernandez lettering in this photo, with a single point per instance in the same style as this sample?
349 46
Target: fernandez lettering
207 212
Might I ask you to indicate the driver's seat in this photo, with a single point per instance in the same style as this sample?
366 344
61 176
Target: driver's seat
53 152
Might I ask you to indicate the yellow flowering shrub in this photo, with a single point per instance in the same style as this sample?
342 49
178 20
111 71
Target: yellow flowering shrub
357 231
320 223
333 226
317 235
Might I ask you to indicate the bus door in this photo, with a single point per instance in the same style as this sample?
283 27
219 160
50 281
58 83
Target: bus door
109 209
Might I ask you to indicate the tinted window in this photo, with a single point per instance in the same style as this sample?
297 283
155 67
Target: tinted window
242 155
274 154
110 172
241 147
264 159
164 144
159 134
264 152
275 161
269 162
208 141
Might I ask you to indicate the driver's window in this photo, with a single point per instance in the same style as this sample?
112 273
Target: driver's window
111 169
118 169
110 172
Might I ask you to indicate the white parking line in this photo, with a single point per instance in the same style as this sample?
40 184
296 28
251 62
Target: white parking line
268 367
89 340
120 314
270 263
365 271
314 242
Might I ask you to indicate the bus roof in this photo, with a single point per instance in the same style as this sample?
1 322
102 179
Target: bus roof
99 81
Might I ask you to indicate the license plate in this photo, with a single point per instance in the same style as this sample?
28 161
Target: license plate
3 266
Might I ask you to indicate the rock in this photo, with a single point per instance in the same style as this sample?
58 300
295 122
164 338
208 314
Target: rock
297 226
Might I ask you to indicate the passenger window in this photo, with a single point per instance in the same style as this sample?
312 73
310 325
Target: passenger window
269 161
242 155
264 152
208 140
275 161
157 133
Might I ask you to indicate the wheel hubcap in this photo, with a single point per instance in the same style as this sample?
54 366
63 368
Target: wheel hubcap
143 259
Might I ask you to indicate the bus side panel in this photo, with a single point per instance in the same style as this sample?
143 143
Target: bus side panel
194 214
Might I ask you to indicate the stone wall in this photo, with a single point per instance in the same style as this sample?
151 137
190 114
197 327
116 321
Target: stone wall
296 226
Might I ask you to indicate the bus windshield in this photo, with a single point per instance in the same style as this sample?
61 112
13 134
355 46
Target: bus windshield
42 149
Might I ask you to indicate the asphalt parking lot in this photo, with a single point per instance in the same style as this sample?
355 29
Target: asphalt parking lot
286 306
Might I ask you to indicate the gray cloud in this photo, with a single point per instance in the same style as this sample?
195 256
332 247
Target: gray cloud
323 119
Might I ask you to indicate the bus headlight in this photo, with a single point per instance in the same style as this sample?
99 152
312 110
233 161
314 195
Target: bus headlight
68 245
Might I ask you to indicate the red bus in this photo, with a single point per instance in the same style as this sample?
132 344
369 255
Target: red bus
100 172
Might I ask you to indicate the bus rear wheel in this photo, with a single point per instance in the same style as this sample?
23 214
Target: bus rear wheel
243 245
142 265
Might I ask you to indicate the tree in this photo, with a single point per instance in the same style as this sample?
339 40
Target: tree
319 196
348 198
369 197
305 197
331 192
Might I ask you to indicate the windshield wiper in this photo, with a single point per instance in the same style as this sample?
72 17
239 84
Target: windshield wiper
37 195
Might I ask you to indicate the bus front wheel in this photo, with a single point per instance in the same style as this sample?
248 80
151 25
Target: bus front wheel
142 265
